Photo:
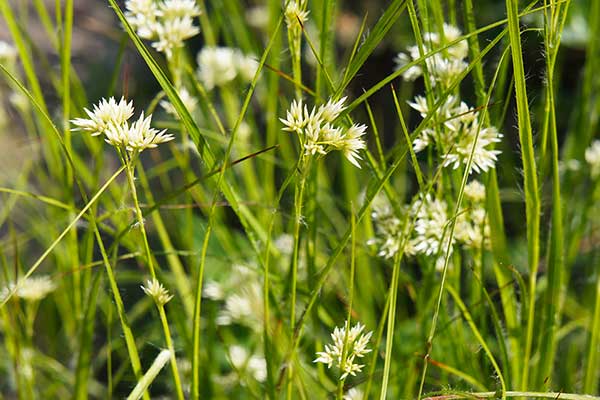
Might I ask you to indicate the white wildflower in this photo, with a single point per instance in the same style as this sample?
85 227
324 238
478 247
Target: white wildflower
295 14
104 114
258 16
391 231
444 66
8 54
254 365
190 102
475 191
111 119
172 33
356 347
213 290
29 289
168 22
216 66
592 156
246 66
156 290
460 135
319 135
137 136
431 235
353 394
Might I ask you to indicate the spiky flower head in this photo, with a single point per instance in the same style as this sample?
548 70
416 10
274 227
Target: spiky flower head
157 291
104 114
296 14
319 133
111 119
460 135
346 349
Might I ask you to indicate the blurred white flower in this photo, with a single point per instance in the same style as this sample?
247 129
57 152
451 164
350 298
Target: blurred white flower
592 156
8 54
353 394
218 66
356 347
187 99
443 67
167 22
430 234
29 289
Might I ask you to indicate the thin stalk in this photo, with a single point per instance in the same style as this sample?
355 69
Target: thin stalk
298 202
129 161
389 340
532 200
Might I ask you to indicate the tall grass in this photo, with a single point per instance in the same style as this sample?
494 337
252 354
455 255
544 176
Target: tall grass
266 244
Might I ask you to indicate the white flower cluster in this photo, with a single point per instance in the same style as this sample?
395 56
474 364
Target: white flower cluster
167 22
242 296
111 119
253 365
444 66
157 292
461 130
356 347
592 156
218 66
430 235
319 135
296 14
29 289
190 102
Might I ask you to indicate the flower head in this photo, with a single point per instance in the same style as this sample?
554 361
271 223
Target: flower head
295 14
218 66
111 119
29 289
106 113
157 291
168 22
346 349
318 132
443 66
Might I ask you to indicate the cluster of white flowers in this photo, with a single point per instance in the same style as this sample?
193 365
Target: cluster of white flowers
242 296
319 135
460 130
157 292
218 66
167 22
430 235
253 365
356 347
592 156
190 102
29 289
444 66
111 119
296 14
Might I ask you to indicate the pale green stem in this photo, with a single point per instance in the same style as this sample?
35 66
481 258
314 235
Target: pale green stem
129 162
144 383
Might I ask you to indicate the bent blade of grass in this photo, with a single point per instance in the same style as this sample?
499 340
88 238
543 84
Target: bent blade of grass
143 384
376 35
